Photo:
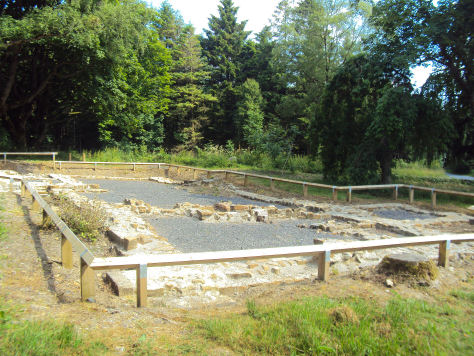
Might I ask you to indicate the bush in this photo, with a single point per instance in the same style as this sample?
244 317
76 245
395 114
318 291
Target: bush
85 221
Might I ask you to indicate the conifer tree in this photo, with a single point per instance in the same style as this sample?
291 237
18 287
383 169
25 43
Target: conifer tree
223 48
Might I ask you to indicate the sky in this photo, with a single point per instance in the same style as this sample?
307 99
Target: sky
257 13
197 12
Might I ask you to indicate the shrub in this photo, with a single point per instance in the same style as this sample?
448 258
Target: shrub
84 220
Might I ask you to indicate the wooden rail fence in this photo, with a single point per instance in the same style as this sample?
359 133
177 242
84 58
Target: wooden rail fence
324 252
69 241
5 154
89 264
335 189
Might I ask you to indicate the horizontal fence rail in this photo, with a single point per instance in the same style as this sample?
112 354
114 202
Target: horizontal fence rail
5 154
335 189
69 241
90 265
141 263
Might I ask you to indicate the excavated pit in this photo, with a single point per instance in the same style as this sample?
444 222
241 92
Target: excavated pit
156 218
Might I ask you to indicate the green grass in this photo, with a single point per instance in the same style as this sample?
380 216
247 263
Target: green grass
319 326
48 338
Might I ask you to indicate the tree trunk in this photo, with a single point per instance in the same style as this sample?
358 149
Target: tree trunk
386 167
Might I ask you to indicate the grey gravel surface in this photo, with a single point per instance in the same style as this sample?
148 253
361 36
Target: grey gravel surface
156 194
400 214
191 235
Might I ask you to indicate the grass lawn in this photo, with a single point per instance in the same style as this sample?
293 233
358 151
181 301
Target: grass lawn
352 326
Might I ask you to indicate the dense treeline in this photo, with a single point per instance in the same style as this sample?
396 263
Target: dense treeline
329 78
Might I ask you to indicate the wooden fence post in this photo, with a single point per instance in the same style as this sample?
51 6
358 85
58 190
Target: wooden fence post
305 190
349 195
70 156
167 172
87 281
83 156
334 193
208 176
54 162
411 194
246 180
323 265
134 167
395 193
142 291
226 178
4 158
66 252
195 174
272 185
433 198
443 256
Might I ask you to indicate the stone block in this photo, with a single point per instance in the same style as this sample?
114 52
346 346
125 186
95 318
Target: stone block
225 207
318 226
119 284
129 243
365 225
239 275
302 215
272 209
239 207
144 239
261 215
203 214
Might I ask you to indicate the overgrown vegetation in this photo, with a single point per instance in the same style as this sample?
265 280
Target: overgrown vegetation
350 326
86 221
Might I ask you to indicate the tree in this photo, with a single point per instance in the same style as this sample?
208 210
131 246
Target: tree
142 89
313 38
190 105
83 57
222 47
249 114
371 117
417 32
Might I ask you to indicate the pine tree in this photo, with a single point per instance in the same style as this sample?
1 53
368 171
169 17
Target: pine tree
249 114
223 48
190 105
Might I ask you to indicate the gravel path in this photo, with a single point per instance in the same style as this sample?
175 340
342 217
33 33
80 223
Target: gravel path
400 214
156 194
461 177
191 235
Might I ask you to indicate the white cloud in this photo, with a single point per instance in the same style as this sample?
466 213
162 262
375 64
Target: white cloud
197 12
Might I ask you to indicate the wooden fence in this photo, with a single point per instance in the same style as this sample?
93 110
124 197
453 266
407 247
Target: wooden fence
335 189
89 264
69 241
5 154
